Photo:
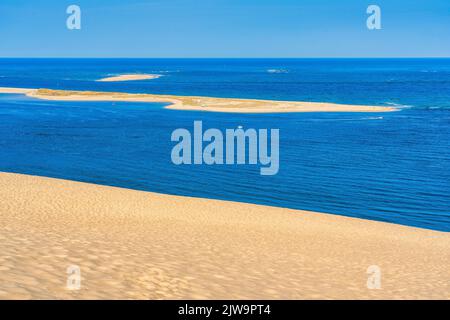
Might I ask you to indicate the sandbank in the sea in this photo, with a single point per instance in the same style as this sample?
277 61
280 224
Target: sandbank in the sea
130 77
199 103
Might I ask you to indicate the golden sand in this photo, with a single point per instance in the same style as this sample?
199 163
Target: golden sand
130 77
139 245
198 103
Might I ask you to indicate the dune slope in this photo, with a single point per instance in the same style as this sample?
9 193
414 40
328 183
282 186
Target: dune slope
139 245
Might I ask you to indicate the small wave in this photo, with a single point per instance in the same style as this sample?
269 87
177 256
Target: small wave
372 118
277 71
166 71
398 105
437 108
347 119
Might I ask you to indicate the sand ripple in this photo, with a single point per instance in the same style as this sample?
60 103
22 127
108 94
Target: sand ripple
139 245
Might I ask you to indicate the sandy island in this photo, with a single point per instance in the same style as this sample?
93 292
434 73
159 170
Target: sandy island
130 77
140 245
198 103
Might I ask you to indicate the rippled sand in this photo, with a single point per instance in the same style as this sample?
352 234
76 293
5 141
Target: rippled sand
139 245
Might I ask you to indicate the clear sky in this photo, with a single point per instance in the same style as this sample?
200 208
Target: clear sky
225 28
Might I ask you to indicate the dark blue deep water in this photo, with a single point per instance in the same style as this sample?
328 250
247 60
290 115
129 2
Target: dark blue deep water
391 167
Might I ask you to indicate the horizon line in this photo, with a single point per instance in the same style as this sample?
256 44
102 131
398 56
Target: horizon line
421 57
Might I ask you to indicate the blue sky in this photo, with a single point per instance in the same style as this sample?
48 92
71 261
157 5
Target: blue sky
225 28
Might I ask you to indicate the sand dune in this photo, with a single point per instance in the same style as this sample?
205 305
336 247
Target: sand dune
199 103
130 77
138 245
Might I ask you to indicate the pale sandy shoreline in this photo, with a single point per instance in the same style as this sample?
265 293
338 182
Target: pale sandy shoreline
198 103
140 245
130 77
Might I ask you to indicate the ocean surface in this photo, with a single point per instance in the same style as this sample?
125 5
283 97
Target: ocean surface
392 167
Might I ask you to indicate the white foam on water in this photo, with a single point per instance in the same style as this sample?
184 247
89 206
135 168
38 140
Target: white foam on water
372 118
348 119
398 105
277 71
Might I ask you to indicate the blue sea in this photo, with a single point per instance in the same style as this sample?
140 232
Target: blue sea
392 167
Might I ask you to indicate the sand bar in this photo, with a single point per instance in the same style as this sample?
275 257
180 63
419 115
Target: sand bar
130 77
198 103
16 90
141 245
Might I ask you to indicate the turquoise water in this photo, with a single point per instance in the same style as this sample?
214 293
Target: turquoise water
383 166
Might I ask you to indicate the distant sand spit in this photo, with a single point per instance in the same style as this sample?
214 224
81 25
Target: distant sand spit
198 103
140 245
130 77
